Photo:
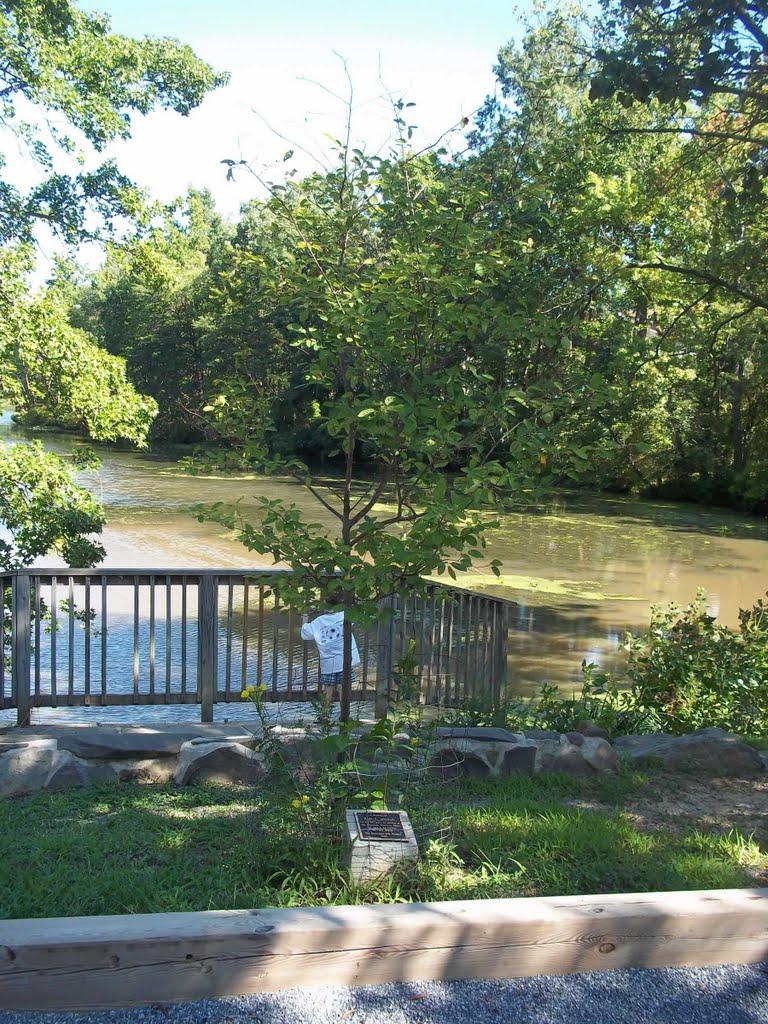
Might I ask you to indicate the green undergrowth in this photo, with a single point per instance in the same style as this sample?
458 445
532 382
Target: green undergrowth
144 849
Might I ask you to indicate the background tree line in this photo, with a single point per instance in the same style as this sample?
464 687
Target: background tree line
634 291
590 265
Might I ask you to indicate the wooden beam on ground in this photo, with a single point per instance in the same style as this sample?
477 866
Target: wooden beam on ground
90 963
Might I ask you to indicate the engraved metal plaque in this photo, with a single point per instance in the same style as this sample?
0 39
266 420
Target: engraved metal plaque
380 826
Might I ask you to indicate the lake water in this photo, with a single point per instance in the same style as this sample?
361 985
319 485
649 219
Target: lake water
581 571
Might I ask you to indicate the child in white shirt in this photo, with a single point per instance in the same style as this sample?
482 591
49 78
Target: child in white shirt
327 631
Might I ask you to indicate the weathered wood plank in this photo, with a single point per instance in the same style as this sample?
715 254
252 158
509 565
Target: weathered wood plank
100 962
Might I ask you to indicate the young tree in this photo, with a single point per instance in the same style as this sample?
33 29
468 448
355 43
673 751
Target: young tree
405 290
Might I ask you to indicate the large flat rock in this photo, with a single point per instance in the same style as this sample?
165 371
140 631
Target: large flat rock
115 743
708 750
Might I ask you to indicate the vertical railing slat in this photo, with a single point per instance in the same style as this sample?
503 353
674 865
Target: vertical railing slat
87 640
21 642
289 668
136 620
275 642
168 645
244 660
104 612
38 634
54 632
71 639
152 613
183 638
228 646
260 645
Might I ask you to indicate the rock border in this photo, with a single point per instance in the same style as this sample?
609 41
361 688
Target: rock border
64 757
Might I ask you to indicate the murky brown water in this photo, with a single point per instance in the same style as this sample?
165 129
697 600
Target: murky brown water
581 572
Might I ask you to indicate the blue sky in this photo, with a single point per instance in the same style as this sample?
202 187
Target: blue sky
438 55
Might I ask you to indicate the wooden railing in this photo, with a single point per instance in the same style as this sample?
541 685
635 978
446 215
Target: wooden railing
117 637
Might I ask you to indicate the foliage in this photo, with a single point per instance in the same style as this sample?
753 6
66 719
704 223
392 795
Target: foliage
397 280
695 672
85 83
58 374
42 509
687 672
74 71
680 52
350 766
618 294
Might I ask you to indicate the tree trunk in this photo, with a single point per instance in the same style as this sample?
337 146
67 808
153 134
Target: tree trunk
346 676
737 437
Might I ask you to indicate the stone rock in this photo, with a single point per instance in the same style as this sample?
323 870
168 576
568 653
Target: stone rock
764 758
476 733
25 768
478 746
576 738
518 759
541 734
599 753
93 742
549 746
570 762
556 753
205 760
708 750
589 728
450 763
70 772
158 771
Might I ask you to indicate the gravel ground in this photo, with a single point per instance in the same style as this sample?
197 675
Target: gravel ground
712 995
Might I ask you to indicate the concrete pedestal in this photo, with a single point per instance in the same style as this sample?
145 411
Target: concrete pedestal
371 859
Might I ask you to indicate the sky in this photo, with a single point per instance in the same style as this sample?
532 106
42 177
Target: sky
289 88
284 59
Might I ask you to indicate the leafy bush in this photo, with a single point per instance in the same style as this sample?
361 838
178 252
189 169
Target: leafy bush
600 701
695 672
687 672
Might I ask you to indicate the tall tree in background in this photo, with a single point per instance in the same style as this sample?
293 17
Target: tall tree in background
61 61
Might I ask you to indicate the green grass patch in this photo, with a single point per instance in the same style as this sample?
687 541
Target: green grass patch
142 849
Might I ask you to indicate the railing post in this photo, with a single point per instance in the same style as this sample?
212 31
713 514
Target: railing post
207 644
21 645
500 668
384 644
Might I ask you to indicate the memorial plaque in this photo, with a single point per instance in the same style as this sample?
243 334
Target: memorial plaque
380 826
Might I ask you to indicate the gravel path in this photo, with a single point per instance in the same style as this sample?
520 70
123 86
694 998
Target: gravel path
712 995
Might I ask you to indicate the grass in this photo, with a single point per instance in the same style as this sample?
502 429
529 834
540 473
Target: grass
141 849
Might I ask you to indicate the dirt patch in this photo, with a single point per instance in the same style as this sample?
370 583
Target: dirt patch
678 802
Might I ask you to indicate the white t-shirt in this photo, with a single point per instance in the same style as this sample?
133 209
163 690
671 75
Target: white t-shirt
328 633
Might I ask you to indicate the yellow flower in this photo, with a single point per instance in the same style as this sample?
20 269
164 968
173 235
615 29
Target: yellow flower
244 695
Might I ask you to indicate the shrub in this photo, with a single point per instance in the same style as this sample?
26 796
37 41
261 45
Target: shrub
694 672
